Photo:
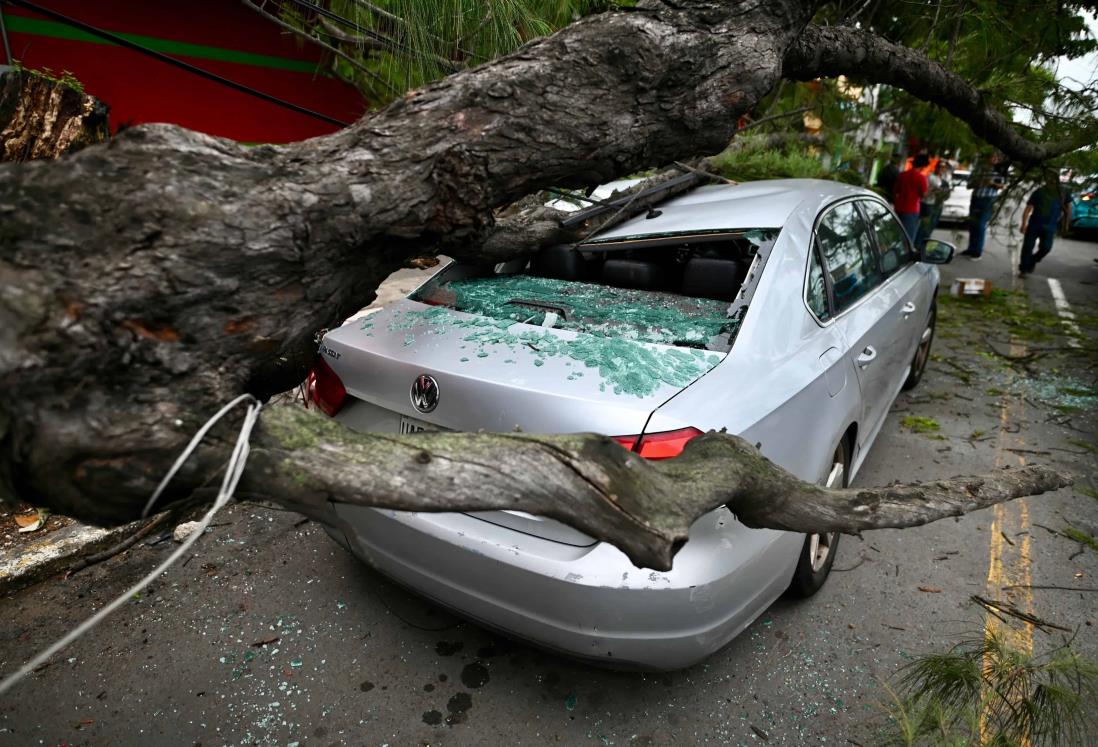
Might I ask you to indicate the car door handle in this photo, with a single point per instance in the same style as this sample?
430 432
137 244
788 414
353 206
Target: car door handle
908 309
868 356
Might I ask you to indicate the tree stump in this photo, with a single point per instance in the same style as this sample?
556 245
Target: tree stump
44 117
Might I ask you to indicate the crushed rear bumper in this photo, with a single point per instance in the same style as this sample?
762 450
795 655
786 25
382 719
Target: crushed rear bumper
588 602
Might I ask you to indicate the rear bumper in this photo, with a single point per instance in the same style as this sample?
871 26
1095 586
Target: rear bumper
588 602
1086 222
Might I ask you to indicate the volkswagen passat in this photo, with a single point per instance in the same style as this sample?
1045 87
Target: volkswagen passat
790 312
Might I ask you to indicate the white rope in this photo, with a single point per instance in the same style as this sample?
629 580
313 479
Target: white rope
233 470
201 434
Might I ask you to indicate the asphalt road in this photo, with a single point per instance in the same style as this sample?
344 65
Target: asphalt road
271 634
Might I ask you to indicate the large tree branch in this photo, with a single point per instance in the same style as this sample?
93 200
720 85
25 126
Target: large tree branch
590 482
821 52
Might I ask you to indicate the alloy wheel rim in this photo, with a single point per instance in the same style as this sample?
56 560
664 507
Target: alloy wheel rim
819 549
819 545
924 348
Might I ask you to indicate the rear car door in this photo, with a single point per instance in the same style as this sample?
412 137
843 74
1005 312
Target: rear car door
853 274
903 289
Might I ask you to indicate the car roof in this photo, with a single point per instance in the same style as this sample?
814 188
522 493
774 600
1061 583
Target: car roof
728 207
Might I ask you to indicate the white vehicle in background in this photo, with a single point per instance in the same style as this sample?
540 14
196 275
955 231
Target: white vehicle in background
955 207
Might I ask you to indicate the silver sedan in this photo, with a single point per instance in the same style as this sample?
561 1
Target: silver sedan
789 312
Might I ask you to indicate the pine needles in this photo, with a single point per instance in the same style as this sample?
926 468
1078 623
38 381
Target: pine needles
984 692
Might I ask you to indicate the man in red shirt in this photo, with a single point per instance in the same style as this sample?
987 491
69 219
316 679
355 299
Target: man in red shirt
908 192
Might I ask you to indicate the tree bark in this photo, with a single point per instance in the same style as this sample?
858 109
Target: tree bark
591 483
146 281
45 118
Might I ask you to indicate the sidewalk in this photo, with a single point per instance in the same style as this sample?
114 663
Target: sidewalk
60 544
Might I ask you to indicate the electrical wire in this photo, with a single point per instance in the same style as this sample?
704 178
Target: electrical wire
124 42
4 37
233 470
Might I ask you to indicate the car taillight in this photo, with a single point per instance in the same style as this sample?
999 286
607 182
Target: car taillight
627 441
324 388
663 445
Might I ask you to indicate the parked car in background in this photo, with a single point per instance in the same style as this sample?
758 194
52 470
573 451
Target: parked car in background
1084 209
955 207
789 312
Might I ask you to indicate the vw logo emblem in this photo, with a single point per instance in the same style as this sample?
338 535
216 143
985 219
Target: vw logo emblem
425 393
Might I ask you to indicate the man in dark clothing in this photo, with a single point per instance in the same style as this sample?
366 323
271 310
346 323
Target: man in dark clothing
1040 219
987 181
908 193
886 180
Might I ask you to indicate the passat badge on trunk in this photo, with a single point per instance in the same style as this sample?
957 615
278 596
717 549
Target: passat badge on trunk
425 393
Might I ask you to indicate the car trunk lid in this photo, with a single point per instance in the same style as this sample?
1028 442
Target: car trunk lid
499 376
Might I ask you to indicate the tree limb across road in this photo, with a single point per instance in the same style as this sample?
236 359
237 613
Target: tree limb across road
146 281
590 482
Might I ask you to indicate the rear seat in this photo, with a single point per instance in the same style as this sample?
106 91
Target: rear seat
719 279
632 273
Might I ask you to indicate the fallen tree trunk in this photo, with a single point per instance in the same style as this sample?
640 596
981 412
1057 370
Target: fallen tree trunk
591 483
146 281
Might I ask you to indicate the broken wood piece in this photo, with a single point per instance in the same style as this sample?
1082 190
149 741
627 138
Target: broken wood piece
1009 609
1049 586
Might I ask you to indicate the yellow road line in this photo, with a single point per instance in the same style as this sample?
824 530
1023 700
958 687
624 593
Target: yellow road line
1010 562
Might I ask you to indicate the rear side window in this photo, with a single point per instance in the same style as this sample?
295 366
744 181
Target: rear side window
896 252
848 255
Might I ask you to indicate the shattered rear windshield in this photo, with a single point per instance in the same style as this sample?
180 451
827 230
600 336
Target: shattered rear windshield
645 316
665 292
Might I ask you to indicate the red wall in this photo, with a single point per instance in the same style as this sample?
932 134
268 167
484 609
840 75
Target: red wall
141 89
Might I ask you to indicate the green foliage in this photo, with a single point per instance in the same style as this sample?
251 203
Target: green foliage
1078 535
985 688
919 424
751 158
1006 50
404 44
66 78
749 164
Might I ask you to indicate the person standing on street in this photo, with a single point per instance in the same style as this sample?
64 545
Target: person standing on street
911 186
886 180
1041 218
986 181
940 185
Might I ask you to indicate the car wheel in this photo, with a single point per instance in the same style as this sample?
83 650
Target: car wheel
818 551
922 353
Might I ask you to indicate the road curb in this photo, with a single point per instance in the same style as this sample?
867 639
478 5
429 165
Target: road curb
58 551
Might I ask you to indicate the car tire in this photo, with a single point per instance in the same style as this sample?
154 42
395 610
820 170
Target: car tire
818 552
922 353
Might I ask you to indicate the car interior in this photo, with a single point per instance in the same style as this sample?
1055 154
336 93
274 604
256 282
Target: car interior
711 266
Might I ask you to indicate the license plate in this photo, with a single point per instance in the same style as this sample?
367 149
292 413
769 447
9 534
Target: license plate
411 425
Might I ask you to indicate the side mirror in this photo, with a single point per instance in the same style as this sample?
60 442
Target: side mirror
937 252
